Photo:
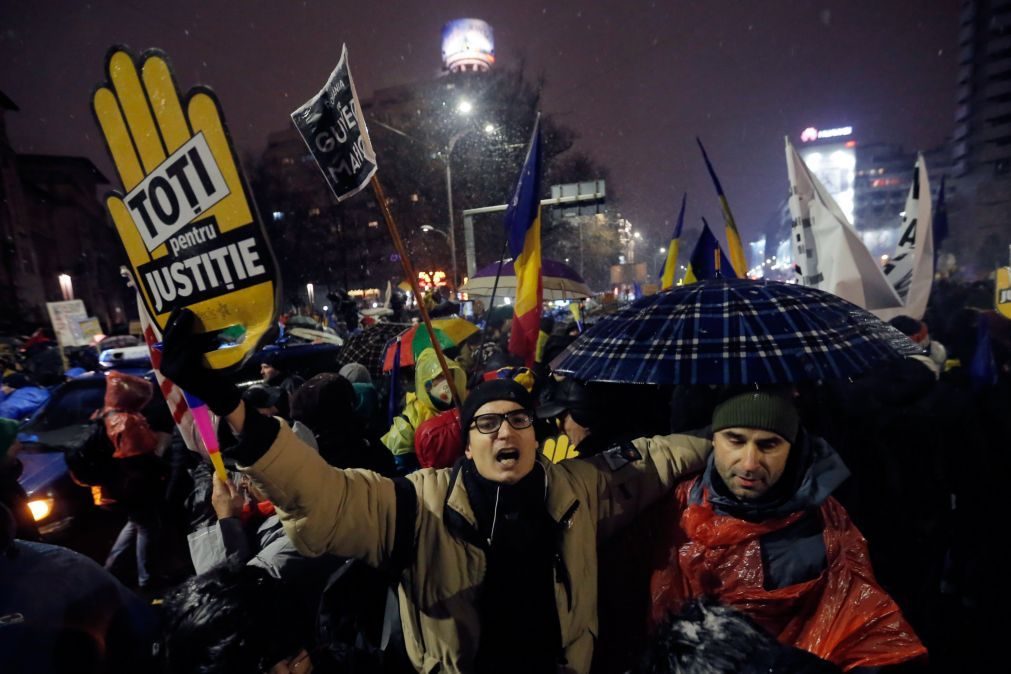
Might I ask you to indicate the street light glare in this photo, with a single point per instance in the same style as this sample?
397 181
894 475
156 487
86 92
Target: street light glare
427 228
464 107
662 249
489 128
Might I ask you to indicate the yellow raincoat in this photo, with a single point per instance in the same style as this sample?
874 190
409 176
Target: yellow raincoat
419 408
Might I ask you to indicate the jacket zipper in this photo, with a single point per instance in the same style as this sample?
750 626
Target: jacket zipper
561 571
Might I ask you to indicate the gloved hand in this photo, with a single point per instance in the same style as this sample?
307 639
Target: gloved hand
559 448
182 361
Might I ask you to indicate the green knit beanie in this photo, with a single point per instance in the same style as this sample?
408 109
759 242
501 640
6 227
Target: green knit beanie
8 434
758 409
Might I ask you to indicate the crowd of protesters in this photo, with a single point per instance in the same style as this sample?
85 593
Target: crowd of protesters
529 522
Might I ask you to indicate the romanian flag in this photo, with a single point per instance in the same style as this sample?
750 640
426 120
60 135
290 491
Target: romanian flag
733 236
708 260
670 264
523 228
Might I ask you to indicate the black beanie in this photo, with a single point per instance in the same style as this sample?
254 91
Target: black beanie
495 389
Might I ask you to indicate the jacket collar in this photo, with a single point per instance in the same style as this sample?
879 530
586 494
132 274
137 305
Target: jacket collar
819 471
458 513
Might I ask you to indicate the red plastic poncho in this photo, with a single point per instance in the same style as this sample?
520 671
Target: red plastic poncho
843 615
438 442
128 430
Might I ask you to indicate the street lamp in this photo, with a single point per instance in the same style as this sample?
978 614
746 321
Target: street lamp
435 230
66 286
661 252
464 108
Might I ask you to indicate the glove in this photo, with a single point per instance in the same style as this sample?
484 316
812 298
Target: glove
559 449
182 361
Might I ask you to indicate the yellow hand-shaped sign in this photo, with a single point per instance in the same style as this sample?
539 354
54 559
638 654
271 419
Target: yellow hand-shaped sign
1002 290
187 220
559 448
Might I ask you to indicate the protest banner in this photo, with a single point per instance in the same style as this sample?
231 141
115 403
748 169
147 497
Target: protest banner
186 217
1002 291
65 317
332 126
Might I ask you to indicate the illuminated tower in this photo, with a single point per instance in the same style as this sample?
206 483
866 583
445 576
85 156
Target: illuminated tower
468 45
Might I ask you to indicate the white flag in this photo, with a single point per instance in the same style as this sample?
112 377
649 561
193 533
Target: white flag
911 269
828 254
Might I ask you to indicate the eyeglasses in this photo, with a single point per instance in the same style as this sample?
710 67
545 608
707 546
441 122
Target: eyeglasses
490 423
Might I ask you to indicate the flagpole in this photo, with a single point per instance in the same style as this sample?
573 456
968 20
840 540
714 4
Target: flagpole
491 303
405 262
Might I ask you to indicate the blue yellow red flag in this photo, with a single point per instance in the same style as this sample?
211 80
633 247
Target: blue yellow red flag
523 229
740 262
708 260
669 269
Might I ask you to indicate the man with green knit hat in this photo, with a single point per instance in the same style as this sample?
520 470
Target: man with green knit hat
760 531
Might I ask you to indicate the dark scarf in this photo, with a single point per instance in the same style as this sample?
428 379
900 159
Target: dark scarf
519 618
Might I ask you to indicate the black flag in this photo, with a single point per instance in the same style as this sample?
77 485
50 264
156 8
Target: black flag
332 125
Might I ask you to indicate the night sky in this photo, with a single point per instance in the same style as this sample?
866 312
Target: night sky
637 80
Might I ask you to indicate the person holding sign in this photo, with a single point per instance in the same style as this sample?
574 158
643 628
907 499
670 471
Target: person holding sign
185 216
496 557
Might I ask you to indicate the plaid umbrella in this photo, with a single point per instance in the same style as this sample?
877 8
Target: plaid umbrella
733 331
368 346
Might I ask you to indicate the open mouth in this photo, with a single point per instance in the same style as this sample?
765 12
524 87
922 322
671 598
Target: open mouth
507 457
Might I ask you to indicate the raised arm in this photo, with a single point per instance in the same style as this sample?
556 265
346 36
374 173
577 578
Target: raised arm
351 513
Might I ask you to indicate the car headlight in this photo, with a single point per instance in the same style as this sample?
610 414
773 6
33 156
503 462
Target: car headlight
41 508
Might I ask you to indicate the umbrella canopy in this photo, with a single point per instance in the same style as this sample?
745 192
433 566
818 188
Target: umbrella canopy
560 281
301 322
368 346
733 331
449 331
316 336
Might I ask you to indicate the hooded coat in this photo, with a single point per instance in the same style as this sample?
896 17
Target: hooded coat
128 430
420 408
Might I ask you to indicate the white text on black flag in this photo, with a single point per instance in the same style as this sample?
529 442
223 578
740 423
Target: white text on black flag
333 128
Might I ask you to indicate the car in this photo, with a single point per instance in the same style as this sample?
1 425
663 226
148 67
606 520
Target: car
134 360
56 501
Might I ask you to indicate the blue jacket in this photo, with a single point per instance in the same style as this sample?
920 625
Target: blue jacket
22 403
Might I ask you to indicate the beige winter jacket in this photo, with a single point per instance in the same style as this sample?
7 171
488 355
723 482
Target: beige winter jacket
355 513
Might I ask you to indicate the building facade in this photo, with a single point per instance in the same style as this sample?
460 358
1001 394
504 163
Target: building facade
981 141
52 224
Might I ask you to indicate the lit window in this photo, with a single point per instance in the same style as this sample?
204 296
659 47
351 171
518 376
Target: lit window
278 216
313 212
373 223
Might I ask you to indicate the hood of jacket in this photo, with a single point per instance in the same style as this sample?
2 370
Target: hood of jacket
427 370
126 393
